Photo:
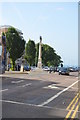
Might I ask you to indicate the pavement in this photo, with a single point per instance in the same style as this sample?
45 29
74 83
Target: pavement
17 72
40 95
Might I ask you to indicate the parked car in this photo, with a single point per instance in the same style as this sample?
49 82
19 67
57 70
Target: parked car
76 69
72 69
46 68
52 69
57 69
64 71
27 68
33 67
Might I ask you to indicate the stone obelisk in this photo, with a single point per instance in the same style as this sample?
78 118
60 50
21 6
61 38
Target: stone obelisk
39 57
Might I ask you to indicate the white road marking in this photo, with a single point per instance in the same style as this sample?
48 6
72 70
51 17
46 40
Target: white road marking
17 81
19 103
51 87
21 77
26 85
55 96
1 75
3 90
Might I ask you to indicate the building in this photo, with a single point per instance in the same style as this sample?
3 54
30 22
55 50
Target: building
4 28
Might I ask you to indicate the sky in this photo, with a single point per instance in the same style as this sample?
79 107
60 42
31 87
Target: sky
56 22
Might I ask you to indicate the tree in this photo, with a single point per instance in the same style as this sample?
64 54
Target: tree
30 52
15 44
3 34
57 60
49 57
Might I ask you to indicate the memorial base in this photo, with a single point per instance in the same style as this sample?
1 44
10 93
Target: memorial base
39 64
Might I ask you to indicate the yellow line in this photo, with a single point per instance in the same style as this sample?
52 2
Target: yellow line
73 115
72 102
67 116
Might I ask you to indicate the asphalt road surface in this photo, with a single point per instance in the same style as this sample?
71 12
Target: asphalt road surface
40 95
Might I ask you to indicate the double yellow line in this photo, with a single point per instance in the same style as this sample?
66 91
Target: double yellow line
74 104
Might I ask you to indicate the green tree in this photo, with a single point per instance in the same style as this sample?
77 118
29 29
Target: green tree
15 44
30 52
3 33
57 60
47 54
49 57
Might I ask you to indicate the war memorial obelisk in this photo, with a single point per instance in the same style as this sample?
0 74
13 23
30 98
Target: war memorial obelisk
40 54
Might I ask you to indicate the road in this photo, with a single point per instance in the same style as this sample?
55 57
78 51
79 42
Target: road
40 95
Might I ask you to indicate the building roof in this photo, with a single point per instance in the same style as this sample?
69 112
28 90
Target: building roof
5 26
9 26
